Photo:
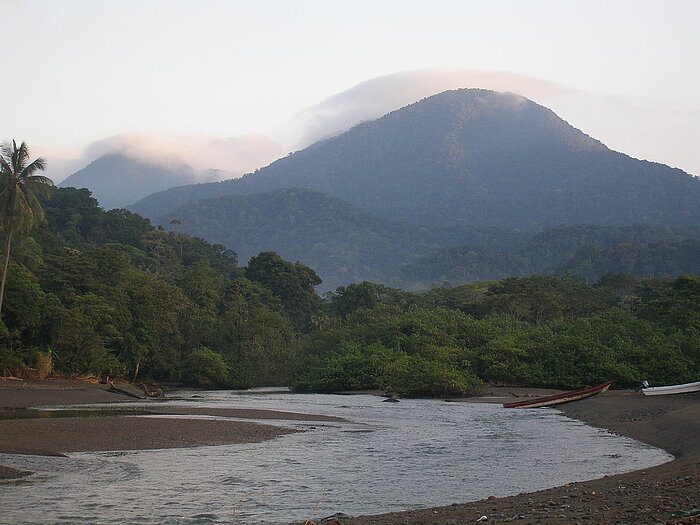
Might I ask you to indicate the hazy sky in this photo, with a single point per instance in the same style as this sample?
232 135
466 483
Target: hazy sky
78 71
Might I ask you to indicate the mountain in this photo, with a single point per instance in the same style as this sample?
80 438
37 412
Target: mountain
475 156
341 242
117 180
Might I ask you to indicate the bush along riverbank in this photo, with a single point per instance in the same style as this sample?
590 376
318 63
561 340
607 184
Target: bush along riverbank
543 331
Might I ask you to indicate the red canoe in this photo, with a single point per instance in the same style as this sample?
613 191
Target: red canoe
564 397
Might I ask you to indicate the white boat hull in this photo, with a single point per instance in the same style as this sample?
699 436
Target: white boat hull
672 389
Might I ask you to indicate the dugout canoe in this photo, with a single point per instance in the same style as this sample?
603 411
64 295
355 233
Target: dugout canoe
671 389
557 399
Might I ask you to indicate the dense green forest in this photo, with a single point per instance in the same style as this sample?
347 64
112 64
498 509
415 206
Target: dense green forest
554 331
105 293
587 251
345 244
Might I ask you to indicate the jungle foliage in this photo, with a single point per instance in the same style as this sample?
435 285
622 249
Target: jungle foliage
553 331
105 293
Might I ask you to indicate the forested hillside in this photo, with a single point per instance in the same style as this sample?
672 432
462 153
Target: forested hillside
106 293
584 250
345 244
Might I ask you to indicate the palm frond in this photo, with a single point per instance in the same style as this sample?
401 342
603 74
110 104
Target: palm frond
37 212
39 164
29 213
19 187
15 158
5 165
39 179
40 186
9 208
5 196
6 150
22 153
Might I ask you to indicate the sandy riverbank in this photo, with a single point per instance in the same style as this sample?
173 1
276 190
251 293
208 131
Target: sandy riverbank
20 393
30 433
643 497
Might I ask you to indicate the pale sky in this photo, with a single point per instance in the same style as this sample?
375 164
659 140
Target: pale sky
79 71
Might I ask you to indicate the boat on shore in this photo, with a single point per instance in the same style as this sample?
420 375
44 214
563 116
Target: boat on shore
671 389
557 399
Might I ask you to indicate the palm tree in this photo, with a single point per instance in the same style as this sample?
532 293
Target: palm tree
20 210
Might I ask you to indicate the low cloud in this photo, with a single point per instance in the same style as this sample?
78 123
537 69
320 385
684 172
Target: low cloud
212 158
374 98
236 155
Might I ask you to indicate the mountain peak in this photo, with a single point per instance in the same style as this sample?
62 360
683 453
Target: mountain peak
117 180
483 111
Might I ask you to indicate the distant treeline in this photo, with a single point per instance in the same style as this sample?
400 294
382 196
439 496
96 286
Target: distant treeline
345 244
586 251
106 293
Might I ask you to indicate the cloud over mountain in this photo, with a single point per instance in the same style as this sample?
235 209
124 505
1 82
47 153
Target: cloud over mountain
211 158
474 156
641 129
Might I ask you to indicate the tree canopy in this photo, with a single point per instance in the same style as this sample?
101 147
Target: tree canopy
106 293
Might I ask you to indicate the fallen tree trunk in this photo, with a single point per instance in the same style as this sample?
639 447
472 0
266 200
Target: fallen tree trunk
152 390
116 390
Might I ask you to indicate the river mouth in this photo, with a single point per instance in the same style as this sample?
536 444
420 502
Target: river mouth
384 457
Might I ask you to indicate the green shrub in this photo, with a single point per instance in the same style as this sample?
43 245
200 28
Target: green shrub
206 368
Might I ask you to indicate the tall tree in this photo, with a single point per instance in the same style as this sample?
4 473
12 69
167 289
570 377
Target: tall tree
20 209
292 283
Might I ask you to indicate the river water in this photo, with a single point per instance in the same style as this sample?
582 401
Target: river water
388 457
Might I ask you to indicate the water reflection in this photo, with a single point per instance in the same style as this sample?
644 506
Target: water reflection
38 413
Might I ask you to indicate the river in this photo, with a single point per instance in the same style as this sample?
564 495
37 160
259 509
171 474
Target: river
387 457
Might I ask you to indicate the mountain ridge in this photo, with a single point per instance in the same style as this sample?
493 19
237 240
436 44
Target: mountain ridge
477 156
341 242
345 244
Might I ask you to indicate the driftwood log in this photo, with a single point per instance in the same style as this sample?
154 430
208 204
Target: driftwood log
115 389
151 390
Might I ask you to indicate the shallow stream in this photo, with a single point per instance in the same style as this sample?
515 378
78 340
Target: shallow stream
388 457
